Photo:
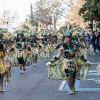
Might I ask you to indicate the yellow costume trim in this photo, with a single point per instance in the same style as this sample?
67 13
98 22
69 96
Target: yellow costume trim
22 53
69 77
76 65
1 54
2 67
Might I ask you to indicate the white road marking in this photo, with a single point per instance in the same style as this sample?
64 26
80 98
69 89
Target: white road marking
62 85
91 72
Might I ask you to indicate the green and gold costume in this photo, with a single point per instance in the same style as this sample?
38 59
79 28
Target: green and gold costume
69 59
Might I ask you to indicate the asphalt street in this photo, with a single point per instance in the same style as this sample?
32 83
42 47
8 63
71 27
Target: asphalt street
34 84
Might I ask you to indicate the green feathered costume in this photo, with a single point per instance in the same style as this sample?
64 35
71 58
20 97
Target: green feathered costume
56 68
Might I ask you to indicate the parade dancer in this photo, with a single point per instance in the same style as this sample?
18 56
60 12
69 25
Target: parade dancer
70 67
42 47
70 53
46 45
44 39
5 65
33 45
20 47
2 67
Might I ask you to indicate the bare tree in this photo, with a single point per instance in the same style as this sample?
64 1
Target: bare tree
48 12
70 10
73 16
10 18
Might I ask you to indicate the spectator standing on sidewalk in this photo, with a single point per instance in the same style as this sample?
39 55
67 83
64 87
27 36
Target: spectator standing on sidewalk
96 34
93 39
98 42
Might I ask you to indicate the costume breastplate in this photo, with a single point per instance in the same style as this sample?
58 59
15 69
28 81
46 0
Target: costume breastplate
20 45
69 51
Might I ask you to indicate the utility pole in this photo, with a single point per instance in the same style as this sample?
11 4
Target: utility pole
31 13
4 12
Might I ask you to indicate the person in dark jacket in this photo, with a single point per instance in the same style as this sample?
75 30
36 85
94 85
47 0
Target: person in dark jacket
98 42
93 39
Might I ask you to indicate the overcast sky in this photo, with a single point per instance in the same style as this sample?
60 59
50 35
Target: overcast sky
22 7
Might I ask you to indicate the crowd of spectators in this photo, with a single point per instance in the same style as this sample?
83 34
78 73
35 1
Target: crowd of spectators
93 38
